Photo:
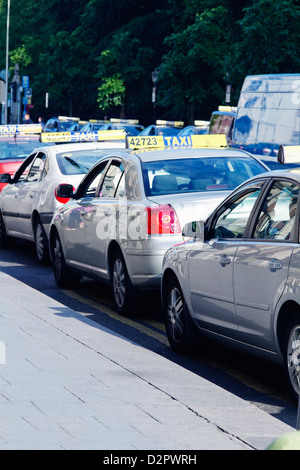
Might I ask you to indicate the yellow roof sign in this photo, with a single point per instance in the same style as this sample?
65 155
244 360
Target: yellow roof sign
11 129
92 136
195 141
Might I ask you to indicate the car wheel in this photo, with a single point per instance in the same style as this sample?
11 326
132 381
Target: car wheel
122 289
292 354
41 243
180 329
63 276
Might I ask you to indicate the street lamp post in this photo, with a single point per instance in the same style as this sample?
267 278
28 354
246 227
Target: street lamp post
154 76
6 65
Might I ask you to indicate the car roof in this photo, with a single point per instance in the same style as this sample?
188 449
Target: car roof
71 147
293 173
170 153
155 154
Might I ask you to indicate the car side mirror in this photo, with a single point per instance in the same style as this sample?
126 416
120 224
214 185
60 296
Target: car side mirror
64 191
195 230
5 178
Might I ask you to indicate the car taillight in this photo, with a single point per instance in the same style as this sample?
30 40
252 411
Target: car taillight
162 220
62 200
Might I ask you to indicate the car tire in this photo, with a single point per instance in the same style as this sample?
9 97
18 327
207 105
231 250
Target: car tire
64 277
41 243
122 289
4 239
292 354
181 330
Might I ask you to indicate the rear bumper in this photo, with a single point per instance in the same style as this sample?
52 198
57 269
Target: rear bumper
144 260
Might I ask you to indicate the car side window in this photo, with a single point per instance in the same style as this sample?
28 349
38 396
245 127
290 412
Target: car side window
233 217
36 170
92 187
277 217
112 180
93 184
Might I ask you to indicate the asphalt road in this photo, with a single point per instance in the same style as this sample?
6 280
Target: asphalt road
260 382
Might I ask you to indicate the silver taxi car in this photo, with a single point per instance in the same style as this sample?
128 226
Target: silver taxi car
17 141
237 277
130 207
28 200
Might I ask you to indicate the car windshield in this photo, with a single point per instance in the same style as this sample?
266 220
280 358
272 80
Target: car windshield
160 130
133 130
65 125
19 147
197 174
79 162
92 127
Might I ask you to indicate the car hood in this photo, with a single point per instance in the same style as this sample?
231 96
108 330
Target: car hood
192 206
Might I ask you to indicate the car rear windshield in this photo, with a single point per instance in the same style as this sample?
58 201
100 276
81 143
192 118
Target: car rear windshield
18 148
197 174
79 162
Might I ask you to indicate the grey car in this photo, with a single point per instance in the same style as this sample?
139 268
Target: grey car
237 276
28 200
130 208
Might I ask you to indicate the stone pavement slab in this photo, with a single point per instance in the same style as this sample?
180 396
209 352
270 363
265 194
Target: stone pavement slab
66 382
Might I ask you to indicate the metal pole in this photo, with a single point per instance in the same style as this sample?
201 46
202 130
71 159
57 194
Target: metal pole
298 415
6 66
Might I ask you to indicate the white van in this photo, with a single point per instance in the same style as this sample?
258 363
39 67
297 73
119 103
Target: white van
268 114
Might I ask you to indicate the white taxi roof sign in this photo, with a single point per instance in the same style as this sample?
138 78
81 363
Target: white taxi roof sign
176 141
124 121
89 136
201 123
11 129
229 109
289 154
162 122
68 118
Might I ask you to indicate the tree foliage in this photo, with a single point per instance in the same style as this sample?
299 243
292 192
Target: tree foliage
95 57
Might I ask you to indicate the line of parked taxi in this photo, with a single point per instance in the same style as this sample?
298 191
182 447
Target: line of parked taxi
126 210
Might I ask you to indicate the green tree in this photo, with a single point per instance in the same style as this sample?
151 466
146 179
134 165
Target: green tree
111 93
270 34
131 56
95 55
195 55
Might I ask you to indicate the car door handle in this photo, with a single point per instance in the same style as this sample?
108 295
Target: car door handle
223 260
274 265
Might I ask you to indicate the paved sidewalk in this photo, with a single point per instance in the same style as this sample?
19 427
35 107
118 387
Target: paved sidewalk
68 383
